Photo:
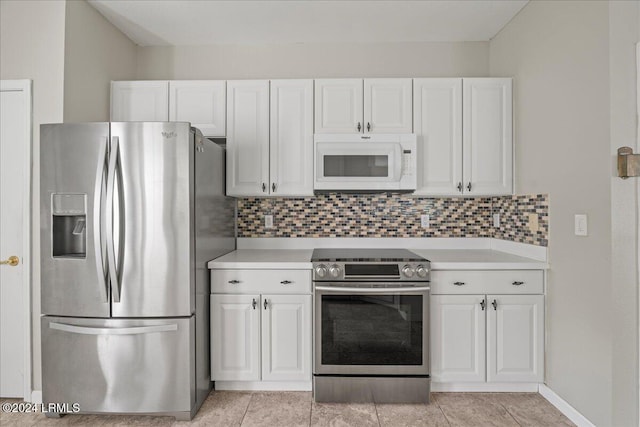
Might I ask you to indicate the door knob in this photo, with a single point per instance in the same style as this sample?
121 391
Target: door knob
12 261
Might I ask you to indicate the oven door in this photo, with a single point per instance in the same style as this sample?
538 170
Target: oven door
371 330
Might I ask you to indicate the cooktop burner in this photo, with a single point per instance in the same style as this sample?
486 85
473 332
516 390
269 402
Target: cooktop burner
364 255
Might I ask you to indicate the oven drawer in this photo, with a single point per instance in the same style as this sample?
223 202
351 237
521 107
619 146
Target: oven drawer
261 281
487 282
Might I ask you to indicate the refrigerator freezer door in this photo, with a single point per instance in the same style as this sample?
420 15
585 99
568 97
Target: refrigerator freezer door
72 182
119 365
154 228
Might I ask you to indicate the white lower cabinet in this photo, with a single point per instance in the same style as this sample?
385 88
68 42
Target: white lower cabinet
261 337
492 338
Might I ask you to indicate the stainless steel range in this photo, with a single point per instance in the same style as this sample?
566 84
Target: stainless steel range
371 326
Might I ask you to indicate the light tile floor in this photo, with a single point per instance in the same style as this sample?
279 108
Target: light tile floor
235 408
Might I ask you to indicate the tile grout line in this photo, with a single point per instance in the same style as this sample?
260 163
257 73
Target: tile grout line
375 407
435 402
311 411
510 414
246 409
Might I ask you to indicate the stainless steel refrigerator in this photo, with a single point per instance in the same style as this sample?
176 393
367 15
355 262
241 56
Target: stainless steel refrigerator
130 214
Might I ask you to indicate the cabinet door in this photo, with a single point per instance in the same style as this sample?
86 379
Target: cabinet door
487 136
515 338
437 122
286 337
291 141
140 101
201 102
338 106
458 338
235 338
387 106
248 138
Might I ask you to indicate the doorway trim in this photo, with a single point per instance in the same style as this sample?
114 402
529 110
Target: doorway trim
25 86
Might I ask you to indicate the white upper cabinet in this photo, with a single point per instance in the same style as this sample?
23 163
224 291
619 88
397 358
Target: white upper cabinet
200 102
291 138
247 137
487 136
387 106
338 106
140 101
515 338
437 122
363 106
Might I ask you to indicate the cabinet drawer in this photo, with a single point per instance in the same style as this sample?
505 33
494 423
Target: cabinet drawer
487 282
261 281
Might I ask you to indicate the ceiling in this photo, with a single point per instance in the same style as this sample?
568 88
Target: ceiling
189 22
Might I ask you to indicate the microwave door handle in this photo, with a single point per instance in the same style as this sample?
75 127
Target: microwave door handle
397 170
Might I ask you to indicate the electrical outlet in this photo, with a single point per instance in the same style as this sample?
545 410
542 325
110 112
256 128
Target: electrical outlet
533 222
580 225
268 221
424 221
496 220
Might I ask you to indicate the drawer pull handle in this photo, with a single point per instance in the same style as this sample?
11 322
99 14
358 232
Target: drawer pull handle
254 303
286 282
234 281
265 303
483 304
516 283
495 305
459 283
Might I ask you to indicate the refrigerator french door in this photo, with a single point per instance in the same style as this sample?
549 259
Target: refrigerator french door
119 265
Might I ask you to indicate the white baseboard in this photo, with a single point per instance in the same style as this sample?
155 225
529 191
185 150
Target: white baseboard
36 396
569 411
485 387
264 385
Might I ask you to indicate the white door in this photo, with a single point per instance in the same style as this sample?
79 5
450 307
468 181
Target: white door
487 136
458 338
437 122
235 337
140 101
291 141
286 338
387 106
15 196
338 106
515 338
201 102
248 137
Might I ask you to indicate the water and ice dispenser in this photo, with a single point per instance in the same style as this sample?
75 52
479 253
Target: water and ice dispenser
69 225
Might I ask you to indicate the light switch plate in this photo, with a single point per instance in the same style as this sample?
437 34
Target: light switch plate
268 221
424 221
496 220
581 226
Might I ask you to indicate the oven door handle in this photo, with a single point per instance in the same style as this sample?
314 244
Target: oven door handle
342 290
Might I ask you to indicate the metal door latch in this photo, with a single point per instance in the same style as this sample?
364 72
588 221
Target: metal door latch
628 163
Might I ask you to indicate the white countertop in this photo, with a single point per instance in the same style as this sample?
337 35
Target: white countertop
441 259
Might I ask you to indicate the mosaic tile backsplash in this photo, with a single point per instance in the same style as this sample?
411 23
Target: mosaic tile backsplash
395 215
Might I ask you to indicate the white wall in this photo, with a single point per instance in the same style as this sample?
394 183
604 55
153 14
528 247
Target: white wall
574 69
311 60
32 47
96 52
624 33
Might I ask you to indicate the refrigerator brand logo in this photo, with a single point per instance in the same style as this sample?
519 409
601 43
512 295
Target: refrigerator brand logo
168 135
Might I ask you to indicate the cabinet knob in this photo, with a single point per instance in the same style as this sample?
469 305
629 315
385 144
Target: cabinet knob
517 283
254 303
459 283
264 187
368 127
273 187
359 127
286 282
469 186
495 304
265 303
460 187
483 304
234 281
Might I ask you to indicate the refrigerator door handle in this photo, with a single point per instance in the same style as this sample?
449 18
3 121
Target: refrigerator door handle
136 330
97 221
111 250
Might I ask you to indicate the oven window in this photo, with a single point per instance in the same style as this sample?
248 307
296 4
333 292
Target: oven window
356 166
372 329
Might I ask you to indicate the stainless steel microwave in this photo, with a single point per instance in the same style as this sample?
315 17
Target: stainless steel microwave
373 162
